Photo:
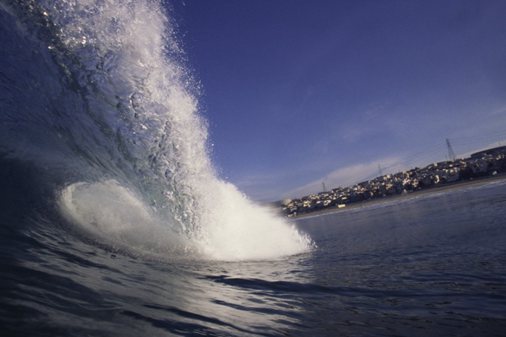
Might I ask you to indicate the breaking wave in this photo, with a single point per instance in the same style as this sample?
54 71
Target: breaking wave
107 105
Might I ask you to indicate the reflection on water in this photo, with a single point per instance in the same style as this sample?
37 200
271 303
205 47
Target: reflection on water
251 293
136 295
423 267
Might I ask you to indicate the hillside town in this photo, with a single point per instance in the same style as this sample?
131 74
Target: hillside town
490 162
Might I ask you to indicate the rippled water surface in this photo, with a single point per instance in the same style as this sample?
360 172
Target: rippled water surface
433 265
114 222
429 265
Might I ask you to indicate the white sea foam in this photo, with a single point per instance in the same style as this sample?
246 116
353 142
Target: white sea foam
117 216
235 228
130 57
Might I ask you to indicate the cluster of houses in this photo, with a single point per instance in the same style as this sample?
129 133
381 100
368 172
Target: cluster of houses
480 164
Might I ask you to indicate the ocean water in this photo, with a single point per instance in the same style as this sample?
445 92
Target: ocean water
433 265
113 221
428 265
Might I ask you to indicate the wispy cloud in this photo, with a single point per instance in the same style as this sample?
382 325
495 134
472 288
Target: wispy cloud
499 111
266 186
350 175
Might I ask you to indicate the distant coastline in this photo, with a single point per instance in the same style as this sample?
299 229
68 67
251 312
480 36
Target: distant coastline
479 168
390 199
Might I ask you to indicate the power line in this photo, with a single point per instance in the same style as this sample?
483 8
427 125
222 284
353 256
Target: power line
451 154
437 150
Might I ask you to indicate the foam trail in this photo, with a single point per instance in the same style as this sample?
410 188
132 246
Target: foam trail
127 60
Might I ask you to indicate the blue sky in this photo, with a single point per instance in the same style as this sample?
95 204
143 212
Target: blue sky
298 93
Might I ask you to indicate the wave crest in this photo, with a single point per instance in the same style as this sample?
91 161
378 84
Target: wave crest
125 112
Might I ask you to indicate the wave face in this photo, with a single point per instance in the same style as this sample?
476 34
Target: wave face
96 92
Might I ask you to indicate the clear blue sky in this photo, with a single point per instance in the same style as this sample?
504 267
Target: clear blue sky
300 92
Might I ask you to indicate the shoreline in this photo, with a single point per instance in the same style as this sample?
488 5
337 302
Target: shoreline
389 199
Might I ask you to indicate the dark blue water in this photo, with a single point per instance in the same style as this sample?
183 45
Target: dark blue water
429 265
141 247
